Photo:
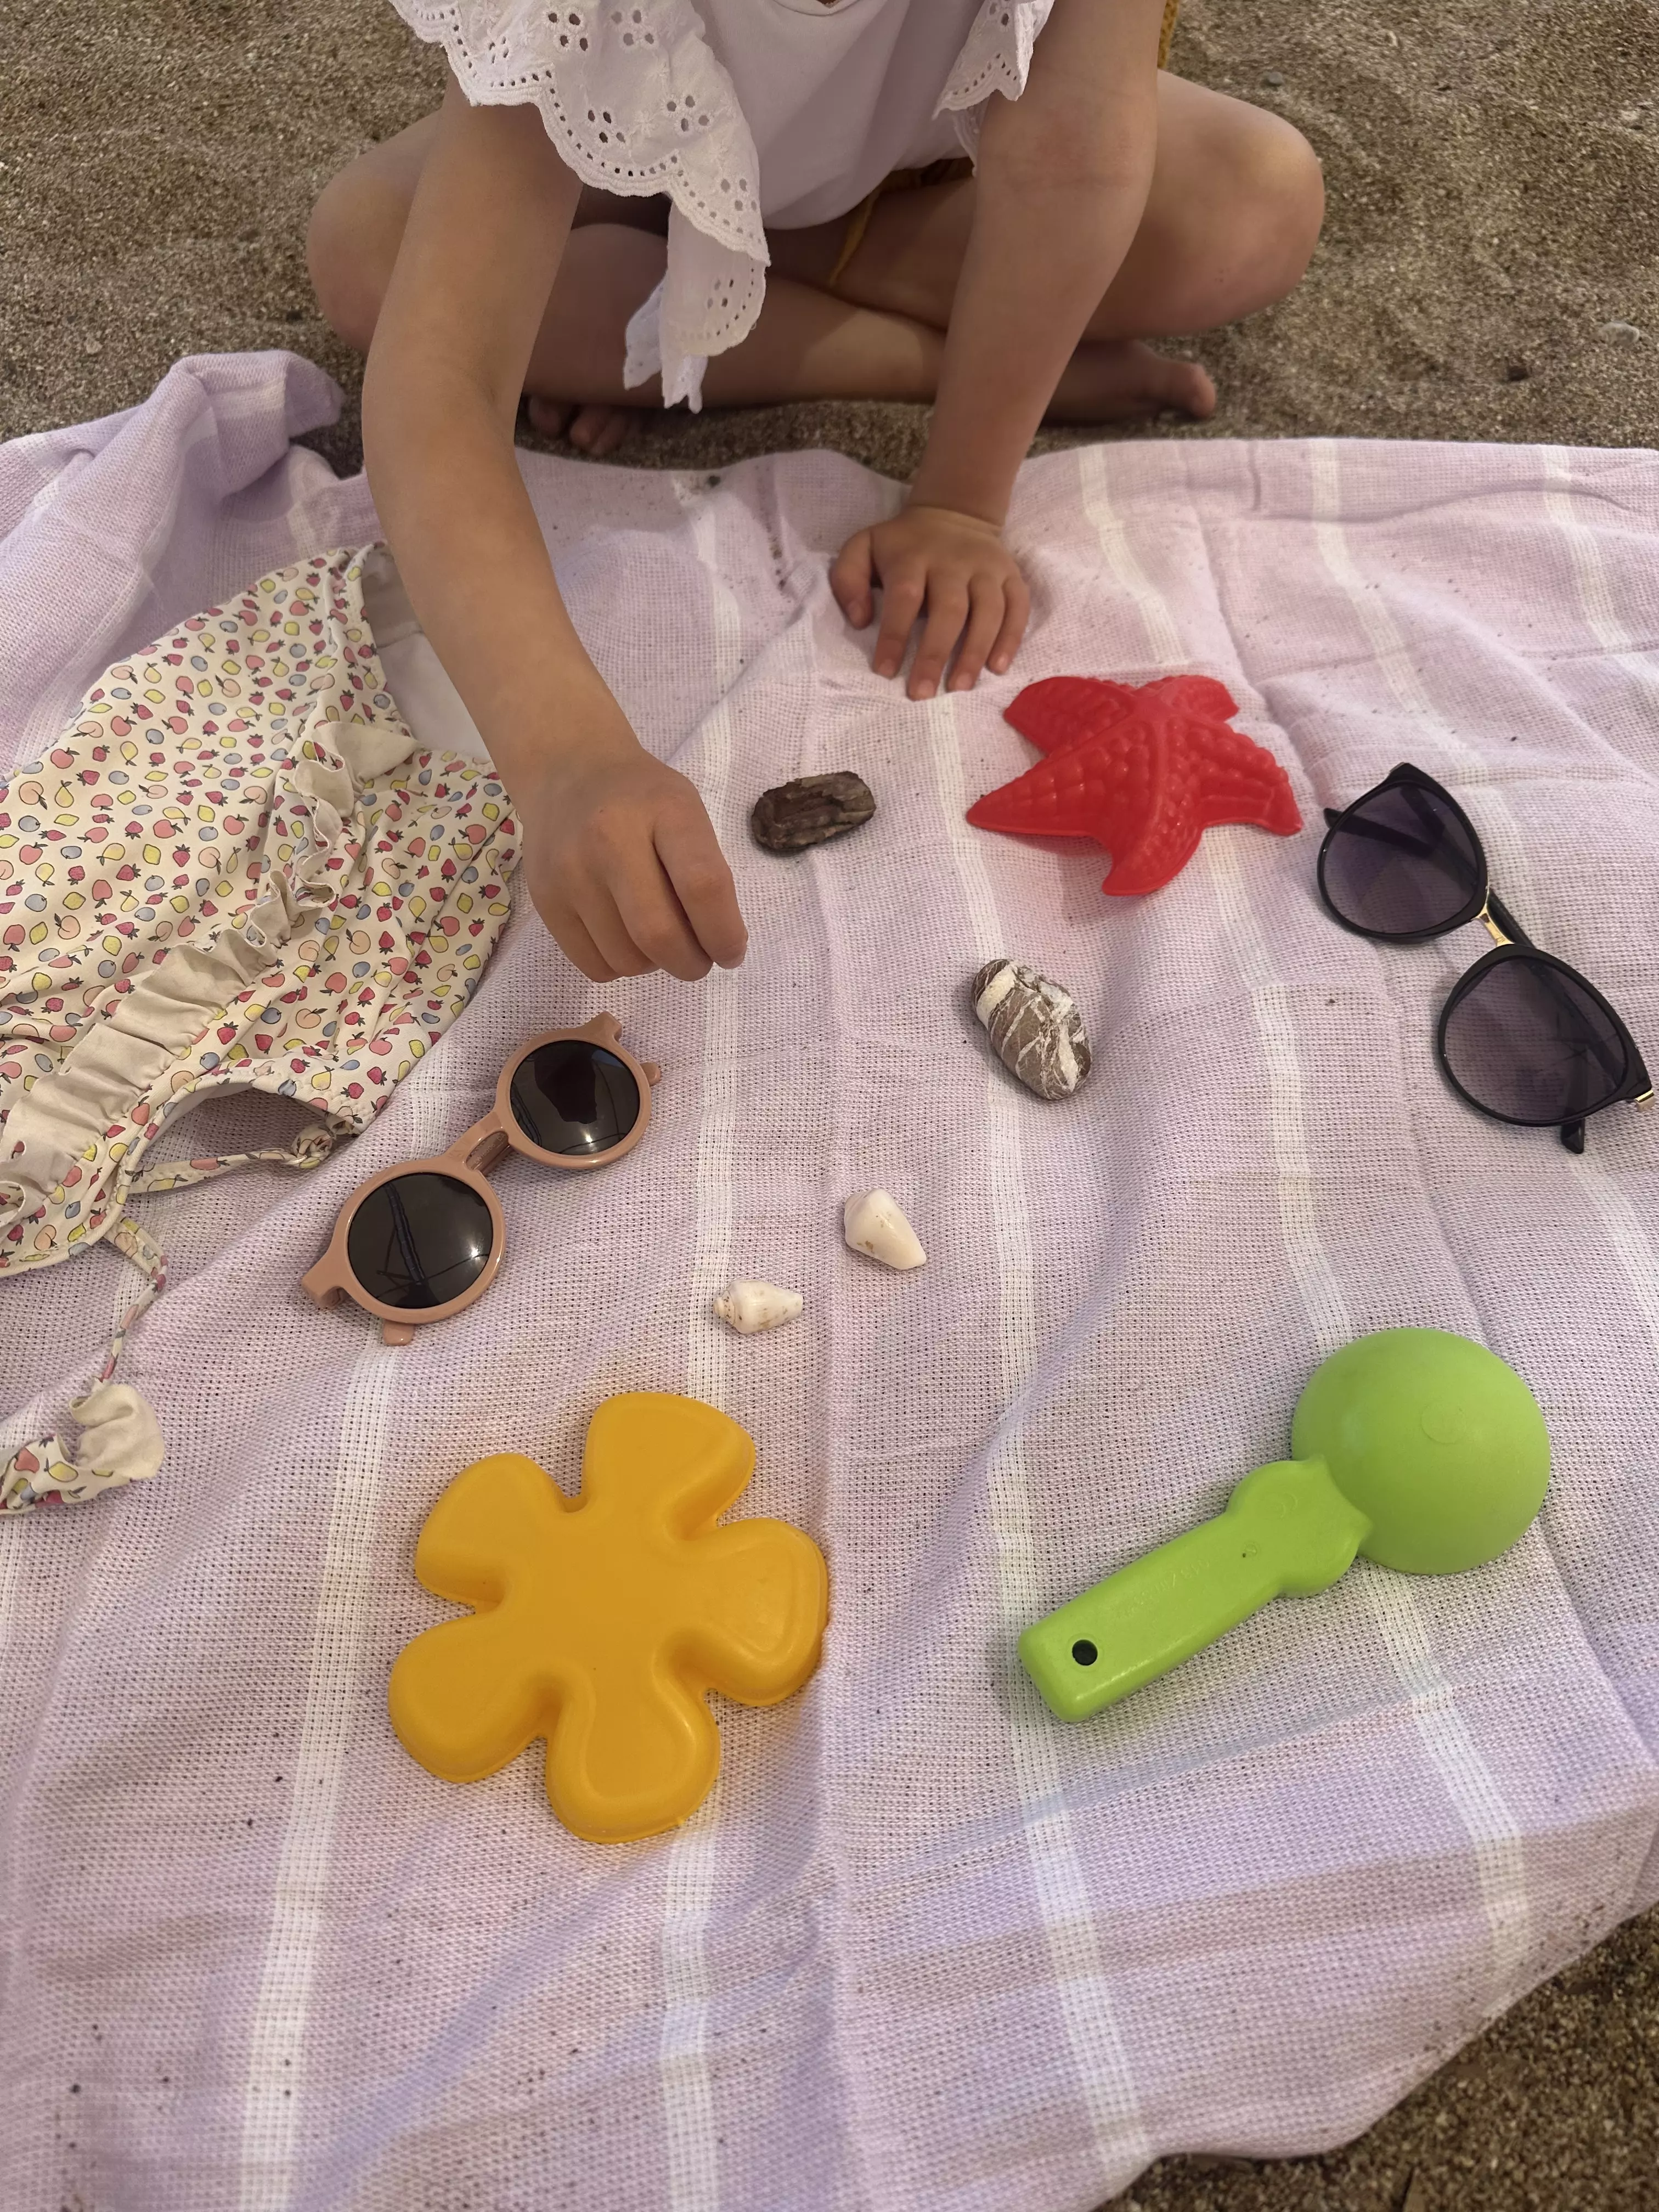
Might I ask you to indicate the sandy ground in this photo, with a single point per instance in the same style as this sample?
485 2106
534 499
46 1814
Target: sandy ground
1490 269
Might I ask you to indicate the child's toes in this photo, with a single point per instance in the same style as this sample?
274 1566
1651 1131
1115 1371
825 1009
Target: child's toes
1107 382
595 430
600 430
549 417
1185 384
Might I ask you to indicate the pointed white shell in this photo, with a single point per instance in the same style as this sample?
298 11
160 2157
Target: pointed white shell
872 1223
750 1307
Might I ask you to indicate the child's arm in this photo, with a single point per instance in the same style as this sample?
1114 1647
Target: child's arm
621 858
1062 177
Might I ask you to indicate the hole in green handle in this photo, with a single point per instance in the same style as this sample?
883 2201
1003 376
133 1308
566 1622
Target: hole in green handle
1085 1652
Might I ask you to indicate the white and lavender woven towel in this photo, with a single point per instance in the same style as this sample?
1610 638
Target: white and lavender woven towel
925 1950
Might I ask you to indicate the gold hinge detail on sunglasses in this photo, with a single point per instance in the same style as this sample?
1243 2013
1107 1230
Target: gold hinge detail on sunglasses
1491 929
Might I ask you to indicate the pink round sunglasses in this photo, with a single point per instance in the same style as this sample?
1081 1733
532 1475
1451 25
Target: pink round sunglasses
424 1240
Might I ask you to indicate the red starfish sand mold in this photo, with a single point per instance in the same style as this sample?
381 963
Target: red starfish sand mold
1144 770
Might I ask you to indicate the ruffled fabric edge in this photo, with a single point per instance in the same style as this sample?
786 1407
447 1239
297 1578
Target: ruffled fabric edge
119 1062
120 1437
57 1126
113 1067
167 1011
995 56
681 132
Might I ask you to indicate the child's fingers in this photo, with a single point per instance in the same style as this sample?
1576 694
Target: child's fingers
901 602
1017 613
598 910
571 935
651 913
985 622
690 851
849 580
947 612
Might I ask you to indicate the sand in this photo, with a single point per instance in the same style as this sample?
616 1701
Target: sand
1488 270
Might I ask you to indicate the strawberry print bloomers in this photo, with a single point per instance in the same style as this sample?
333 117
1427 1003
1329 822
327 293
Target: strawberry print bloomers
235 868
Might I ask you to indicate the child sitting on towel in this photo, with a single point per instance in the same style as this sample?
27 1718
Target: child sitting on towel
627 203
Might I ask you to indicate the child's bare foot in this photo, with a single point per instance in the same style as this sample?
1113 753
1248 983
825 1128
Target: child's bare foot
1108 381
595 431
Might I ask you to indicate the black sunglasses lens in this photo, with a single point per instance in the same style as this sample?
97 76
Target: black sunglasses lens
420 1239
1402 863
1529 1041
575 1097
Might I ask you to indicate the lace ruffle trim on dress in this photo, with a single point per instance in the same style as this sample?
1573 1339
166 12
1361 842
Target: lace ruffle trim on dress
995 56
637 104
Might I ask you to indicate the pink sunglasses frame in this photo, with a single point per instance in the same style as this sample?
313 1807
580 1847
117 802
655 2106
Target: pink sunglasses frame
468 1160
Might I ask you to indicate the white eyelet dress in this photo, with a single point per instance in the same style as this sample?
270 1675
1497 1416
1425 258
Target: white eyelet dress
743 112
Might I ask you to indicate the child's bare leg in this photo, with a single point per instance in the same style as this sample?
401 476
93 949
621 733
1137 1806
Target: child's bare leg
1230 222
807 344
357 227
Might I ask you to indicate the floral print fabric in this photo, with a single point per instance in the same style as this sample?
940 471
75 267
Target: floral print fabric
235 868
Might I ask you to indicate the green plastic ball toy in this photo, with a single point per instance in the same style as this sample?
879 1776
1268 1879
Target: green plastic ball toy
1416 1448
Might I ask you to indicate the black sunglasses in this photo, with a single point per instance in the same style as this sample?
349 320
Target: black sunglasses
1523 1037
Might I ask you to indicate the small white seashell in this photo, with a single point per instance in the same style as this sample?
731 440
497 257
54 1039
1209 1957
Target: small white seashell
872 1223
1034 1025
752 1307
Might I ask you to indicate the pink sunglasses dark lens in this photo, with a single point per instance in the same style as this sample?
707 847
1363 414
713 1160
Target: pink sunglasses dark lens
574 1098
420 1239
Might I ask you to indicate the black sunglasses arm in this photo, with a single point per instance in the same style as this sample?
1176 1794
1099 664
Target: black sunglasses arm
1503 926
1380 833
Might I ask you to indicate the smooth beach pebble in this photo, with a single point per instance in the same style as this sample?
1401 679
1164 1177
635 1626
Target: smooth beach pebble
1034 1025
810 811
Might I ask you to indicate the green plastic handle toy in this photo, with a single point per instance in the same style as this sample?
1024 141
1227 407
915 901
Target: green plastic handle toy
1419 1450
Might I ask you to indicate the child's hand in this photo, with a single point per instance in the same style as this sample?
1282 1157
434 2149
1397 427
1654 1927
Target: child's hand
957 567
625 869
